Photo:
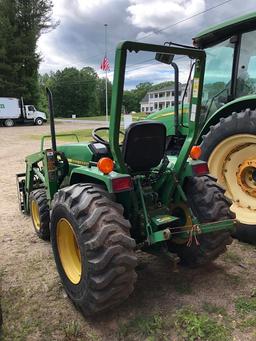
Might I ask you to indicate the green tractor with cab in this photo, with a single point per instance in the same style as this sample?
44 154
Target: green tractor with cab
99 202
227 128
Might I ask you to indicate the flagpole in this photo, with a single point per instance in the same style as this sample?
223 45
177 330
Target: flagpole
106 77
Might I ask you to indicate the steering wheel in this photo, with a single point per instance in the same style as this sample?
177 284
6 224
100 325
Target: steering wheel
99 139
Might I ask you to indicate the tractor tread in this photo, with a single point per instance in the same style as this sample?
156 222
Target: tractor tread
39 195
104 237
209 204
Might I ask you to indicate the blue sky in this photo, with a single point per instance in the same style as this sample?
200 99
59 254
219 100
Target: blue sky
79 39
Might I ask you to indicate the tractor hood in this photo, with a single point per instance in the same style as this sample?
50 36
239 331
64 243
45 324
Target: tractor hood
77 153
166 116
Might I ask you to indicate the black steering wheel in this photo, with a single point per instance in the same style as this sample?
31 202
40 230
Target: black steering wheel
99 139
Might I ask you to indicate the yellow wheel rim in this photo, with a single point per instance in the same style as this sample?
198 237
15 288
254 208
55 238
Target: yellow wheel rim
232 163
35 214
182 209
68 250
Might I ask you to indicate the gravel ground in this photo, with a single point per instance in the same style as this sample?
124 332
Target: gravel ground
168 303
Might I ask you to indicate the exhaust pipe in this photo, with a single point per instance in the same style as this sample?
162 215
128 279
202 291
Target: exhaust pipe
52 124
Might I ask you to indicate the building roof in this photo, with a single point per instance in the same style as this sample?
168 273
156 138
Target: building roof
163 89
145 98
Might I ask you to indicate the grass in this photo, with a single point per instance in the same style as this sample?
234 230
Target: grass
82 134
72 328
186 324
92 118
13 305
248 323
232 257
214 309
136 117
194 326
144 327
233 279
245 304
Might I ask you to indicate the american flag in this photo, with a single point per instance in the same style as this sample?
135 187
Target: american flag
105 64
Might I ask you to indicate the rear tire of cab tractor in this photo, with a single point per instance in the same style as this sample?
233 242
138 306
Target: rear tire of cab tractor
230 149
39 121
208 203
92 247
9 123
39 211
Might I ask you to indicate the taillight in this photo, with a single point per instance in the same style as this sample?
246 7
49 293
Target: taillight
200 169
122 184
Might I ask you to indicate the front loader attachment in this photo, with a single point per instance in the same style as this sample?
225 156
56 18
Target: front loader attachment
20 181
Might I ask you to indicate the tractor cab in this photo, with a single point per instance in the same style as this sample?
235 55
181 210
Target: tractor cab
230 61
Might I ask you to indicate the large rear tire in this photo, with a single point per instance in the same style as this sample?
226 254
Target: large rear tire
208 204
93 250
230 149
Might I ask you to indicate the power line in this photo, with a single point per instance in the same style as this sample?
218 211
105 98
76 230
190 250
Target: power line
147 65
179 22
186 19
172 25
166 28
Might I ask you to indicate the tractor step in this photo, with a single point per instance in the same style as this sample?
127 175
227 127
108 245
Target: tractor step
20 181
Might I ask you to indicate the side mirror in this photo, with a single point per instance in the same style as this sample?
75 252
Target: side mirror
165 58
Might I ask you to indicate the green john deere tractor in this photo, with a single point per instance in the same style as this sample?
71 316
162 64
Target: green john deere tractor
101 201
227 131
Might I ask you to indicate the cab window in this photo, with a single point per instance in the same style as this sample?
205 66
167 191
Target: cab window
218 73
31 108
246 77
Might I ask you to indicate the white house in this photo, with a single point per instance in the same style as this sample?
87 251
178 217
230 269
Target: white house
160 99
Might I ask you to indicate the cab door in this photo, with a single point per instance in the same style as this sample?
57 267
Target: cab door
30 112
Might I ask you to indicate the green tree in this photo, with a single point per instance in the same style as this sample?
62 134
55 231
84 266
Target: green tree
89 101
21 24
101 95
75 92
132 98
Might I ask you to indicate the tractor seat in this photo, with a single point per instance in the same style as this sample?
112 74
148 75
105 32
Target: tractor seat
144 145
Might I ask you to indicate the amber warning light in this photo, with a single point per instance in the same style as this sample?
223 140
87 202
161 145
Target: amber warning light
195 152
105 165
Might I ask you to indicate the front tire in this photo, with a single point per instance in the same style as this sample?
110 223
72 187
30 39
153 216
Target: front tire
39 121
208 204
93 250
39 211
230 149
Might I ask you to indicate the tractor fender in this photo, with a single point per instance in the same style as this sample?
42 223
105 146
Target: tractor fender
236 105
95 176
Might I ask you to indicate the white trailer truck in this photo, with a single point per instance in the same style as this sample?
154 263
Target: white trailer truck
13 110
